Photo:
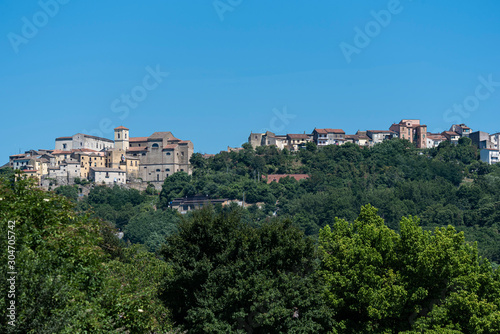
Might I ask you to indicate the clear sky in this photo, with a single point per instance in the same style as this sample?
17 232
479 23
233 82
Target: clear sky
212 71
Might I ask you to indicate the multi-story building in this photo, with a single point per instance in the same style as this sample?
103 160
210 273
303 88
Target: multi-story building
434 139
360 138
160 155
490 155
481 139
324 137
412 130
267 139
80 140
107 176
495 141
451 136
296 141
462 130
378 136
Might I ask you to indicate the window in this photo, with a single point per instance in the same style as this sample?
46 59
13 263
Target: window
131 163
167 170
136 163
125 136
158 170
118 136
64 145
144 154
139 144
107 175
154 145
168 153
182 153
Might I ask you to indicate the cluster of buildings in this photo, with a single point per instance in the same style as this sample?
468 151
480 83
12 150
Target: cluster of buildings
104 161
409 129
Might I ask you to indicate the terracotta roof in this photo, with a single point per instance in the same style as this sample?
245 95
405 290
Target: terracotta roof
298 136
170 147
121 128
184 142
18 155
137 139
450 133
137 149
327 130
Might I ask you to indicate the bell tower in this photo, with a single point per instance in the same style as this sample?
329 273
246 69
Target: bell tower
121 138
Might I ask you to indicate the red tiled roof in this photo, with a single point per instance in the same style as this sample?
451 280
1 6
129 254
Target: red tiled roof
184 142
170 146
137 139
322 131
121 128
450 133
18 155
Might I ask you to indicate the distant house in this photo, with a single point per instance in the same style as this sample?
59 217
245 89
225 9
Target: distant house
360 138
451 136
489 155
328 136
185 204
461 129
434 139
107 175
277 177
296 141
378 136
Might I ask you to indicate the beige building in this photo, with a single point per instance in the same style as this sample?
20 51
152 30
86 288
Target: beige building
296 141
159 155
88 158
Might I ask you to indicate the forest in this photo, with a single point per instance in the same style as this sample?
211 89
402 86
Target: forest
388 239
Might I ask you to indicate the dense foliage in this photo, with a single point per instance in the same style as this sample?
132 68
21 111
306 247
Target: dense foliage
301 257
67 280
444 185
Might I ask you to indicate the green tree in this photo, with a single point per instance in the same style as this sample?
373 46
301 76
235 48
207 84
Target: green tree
232 278
379 281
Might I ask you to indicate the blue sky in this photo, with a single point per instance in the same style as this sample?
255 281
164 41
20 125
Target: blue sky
236 66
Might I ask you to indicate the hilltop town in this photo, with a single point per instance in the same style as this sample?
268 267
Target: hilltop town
152 159
104 161
409 129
